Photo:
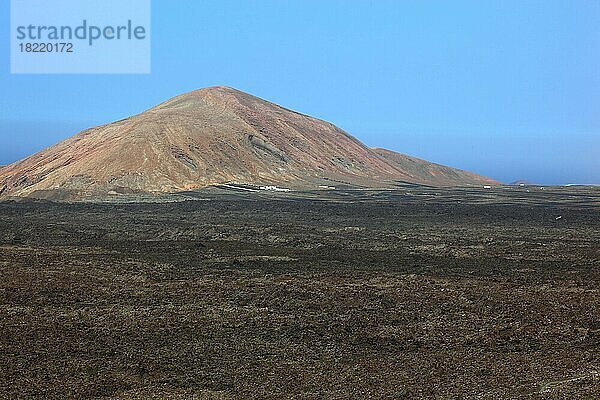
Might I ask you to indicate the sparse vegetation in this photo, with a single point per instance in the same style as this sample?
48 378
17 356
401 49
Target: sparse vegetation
413 293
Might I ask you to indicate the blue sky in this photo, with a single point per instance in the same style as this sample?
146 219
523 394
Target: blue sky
509 89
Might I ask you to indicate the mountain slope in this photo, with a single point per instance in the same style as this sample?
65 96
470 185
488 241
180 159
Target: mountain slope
206 137
428 173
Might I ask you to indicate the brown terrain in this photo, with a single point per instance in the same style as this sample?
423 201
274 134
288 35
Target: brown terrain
213 136
411 293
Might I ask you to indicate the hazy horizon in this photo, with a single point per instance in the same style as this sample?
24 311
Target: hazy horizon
508 90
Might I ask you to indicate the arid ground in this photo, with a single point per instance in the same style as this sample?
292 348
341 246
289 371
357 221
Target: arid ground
416 293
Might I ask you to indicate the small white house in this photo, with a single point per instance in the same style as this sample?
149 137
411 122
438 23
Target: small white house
274 189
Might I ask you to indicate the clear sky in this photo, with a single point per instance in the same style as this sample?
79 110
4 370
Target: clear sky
509 89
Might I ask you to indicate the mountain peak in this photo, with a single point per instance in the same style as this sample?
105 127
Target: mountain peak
213 94
215 91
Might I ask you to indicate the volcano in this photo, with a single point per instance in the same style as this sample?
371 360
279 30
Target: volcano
213 136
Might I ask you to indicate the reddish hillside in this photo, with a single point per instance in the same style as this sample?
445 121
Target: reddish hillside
425 172
213 136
